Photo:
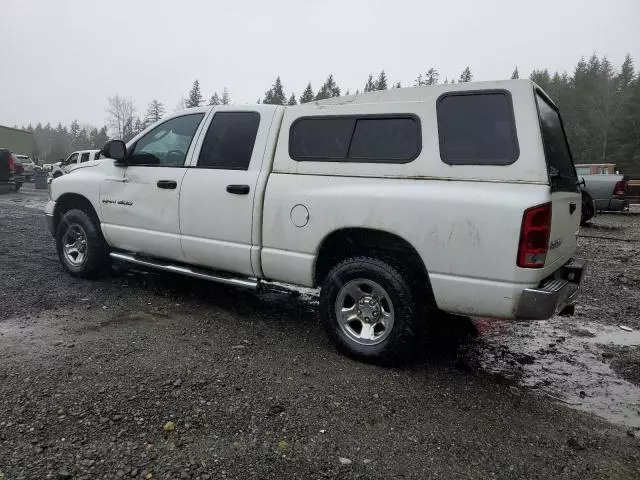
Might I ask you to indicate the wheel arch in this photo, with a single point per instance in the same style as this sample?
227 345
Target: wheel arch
589 196
69 201
348 242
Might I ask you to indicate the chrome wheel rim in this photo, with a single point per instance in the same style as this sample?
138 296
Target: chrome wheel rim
74 245
364 311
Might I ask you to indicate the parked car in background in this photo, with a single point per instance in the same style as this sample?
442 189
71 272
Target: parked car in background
602 192
73 160
28 165
11 172
352 195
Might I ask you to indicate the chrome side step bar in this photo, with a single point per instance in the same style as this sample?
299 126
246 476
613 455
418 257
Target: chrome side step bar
252 283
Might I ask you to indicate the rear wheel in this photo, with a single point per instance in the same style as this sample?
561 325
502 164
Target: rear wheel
588 210
17 186
370 310
81 247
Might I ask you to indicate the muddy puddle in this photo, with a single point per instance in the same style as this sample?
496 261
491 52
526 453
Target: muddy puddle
565 360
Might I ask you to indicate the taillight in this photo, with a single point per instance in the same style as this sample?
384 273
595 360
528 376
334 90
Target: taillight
620 188
12 163
534 236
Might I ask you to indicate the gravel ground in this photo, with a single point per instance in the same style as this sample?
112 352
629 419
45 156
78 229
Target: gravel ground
149 376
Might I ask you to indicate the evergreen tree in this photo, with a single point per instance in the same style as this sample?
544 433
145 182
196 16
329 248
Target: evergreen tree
370 86
541 77
397 85
329 89
419 81
275 95
381 82
155 111
307 95
226 98
515 74
292 100
466 75
431 77
195 97
215 99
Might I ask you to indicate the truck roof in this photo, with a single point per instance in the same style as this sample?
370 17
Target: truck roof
415 94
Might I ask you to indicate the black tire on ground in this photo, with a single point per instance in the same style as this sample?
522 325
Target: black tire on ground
588 210
80 225
407 309
17 186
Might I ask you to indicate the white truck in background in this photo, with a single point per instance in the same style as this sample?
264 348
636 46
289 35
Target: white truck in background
398 204
72 162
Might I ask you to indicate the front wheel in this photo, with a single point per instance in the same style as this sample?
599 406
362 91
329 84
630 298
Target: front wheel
370 310
81 247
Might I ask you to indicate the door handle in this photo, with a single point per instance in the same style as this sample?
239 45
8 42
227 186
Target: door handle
238 189
168 184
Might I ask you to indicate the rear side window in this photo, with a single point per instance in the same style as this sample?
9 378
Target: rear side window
321 138
229 141
562 173
367 139
84 157
477 128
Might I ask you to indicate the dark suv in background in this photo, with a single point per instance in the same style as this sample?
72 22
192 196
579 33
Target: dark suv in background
11 171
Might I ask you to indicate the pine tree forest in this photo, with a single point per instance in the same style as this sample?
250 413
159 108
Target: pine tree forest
599 102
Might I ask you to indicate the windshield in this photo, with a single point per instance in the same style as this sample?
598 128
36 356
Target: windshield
562 173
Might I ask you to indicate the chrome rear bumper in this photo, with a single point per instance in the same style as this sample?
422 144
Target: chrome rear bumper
554 295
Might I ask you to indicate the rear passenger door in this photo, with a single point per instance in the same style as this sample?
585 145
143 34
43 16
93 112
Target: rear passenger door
220 190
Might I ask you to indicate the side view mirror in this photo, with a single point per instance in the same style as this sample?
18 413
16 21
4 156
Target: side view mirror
115 149
582 183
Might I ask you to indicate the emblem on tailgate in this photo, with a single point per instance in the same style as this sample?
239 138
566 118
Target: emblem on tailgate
555 243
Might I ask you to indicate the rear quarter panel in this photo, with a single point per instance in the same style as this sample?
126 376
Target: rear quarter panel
466 232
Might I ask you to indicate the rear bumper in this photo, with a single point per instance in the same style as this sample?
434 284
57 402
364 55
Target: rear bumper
554 295
618 204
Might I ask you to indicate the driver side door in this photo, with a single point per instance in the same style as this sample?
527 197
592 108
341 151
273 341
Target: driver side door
141 212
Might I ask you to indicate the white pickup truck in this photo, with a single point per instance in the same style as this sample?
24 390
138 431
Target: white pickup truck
71 162
398 204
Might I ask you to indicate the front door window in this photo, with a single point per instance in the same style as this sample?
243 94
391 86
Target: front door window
167 144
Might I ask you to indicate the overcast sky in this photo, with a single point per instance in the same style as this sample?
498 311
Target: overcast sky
61 59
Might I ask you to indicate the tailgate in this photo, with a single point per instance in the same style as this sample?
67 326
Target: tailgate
565 221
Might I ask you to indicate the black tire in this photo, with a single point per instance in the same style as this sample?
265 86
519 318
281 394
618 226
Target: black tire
96 261
17 186
408 323
588 210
